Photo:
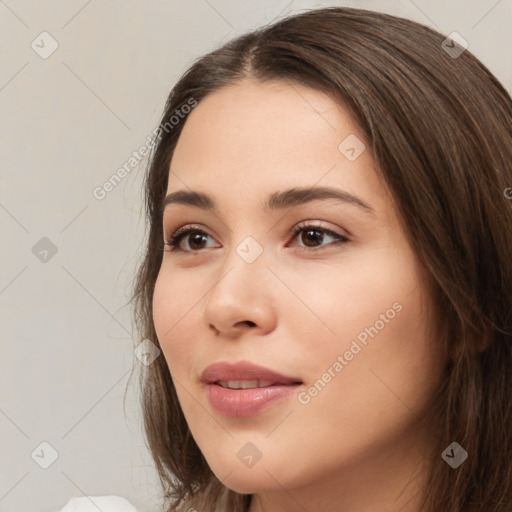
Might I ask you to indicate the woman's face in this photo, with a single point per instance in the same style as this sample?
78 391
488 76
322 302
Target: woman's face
322 340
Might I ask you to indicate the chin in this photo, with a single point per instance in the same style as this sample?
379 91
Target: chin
267 475
247 482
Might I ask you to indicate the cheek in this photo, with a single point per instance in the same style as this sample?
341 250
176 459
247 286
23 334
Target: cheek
375 352
386 369
340 301
173 310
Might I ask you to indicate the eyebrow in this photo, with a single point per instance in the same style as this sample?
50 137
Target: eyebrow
276 201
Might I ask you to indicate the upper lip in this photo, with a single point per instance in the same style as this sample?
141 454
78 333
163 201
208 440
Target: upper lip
243 370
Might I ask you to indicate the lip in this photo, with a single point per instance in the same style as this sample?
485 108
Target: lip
243 370
249 401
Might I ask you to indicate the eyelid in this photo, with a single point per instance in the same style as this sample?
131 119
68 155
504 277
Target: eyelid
317 224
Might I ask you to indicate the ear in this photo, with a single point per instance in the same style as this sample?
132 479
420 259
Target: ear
482 343
485 341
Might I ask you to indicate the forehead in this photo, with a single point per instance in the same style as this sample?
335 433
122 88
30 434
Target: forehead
256 138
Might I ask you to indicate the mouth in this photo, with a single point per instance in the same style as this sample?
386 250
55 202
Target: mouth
245 389
248 384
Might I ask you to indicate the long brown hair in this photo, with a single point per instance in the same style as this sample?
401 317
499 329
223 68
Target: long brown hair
439 125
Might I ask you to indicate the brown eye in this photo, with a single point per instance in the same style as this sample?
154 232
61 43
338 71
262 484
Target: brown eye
313 236
196 238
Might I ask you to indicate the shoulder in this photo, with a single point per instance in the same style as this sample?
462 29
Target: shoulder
95 503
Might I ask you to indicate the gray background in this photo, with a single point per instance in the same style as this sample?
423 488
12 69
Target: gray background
68 122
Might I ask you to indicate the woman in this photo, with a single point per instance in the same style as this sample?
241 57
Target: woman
328 274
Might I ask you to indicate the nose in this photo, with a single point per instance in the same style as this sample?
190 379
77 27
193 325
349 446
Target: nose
241 300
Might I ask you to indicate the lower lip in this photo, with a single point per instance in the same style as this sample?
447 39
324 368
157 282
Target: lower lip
246 402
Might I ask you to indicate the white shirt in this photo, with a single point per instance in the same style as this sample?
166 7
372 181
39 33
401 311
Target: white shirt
96 503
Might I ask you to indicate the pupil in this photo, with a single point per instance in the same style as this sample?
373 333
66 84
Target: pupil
311 236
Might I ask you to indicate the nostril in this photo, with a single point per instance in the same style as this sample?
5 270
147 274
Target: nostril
249 323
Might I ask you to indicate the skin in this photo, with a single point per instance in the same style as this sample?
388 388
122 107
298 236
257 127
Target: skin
360 444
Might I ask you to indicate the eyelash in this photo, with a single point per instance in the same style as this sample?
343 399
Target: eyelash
175 238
